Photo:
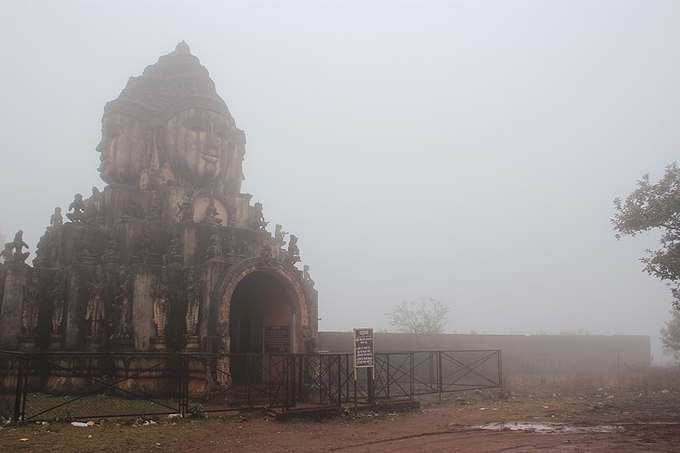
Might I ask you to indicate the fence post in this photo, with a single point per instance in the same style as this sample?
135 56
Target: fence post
268 376
19 391
182 377
339 357
411 375
387 376
369 384
347 374
186 364
439 374
354 379
500 371
294 384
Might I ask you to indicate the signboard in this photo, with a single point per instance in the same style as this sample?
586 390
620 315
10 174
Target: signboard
276 339
363 348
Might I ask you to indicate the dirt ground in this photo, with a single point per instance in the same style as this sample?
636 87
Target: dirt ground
587 418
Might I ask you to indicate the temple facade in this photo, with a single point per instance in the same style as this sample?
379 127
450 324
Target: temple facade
170 255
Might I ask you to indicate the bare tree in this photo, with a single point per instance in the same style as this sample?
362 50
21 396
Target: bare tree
670 335
421 317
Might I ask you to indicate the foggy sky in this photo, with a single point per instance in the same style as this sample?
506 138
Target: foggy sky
466 151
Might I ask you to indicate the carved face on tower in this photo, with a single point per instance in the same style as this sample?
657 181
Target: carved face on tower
124 148
198 145
169 125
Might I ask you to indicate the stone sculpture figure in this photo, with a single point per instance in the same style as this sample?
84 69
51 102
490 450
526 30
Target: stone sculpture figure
110 254
211 217
155 210
185 209
123 330
78 208
257 221
94 207
306 277
279 236
215 247
95 311
29 309
7 253
42 251
173 252
160 309
293 250
193 300
56 219
14 250
58 292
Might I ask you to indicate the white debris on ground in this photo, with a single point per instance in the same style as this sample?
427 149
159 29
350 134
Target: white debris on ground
548 428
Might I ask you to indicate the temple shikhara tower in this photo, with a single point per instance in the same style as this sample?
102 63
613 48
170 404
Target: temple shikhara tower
170 255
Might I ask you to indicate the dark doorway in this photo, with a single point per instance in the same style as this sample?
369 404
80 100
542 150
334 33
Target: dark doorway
259 306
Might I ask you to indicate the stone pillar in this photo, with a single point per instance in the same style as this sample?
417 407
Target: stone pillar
210 278
190 241
16 279
72 310
142 309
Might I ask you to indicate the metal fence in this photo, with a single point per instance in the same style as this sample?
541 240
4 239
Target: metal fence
84 385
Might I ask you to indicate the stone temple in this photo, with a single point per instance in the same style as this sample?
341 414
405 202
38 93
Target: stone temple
170 255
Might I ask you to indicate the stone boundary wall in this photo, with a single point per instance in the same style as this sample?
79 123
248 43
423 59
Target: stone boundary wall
522 354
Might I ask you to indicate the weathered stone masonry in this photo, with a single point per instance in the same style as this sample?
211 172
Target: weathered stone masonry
159 259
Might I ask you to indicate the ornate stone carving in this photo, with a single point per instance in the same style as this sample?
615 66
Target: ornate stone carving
279 236
57 219
173 254
88 252
185 209
132 210
211 217
122 329
170 120
29 309
7 254
306 277
155 210
94 212
42 251
193 292
58 294
293 250
13 252
160 308
76 209
257 221
95 312
215 247
169 147
110 255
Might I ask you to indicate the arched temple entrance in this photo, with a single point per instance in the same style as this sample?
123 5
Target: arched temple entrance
262 310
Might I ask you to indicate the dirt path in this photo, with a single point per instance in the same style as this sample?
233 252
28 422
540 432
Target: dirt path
433 429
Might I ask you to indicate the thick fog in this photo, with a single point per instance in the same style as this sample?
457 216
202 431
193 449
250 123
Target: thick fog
466 151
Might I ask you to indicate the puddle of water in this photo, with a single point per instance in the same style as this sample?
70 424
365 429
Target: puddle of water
548 428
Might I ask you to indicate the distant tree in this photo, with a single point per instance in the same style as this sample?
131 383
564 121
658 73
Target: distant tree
575 332
655 206
670 335
421 317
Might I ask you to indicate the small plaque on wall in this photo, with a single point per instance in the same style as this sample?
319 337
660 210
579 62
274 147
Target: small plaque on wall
276 339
